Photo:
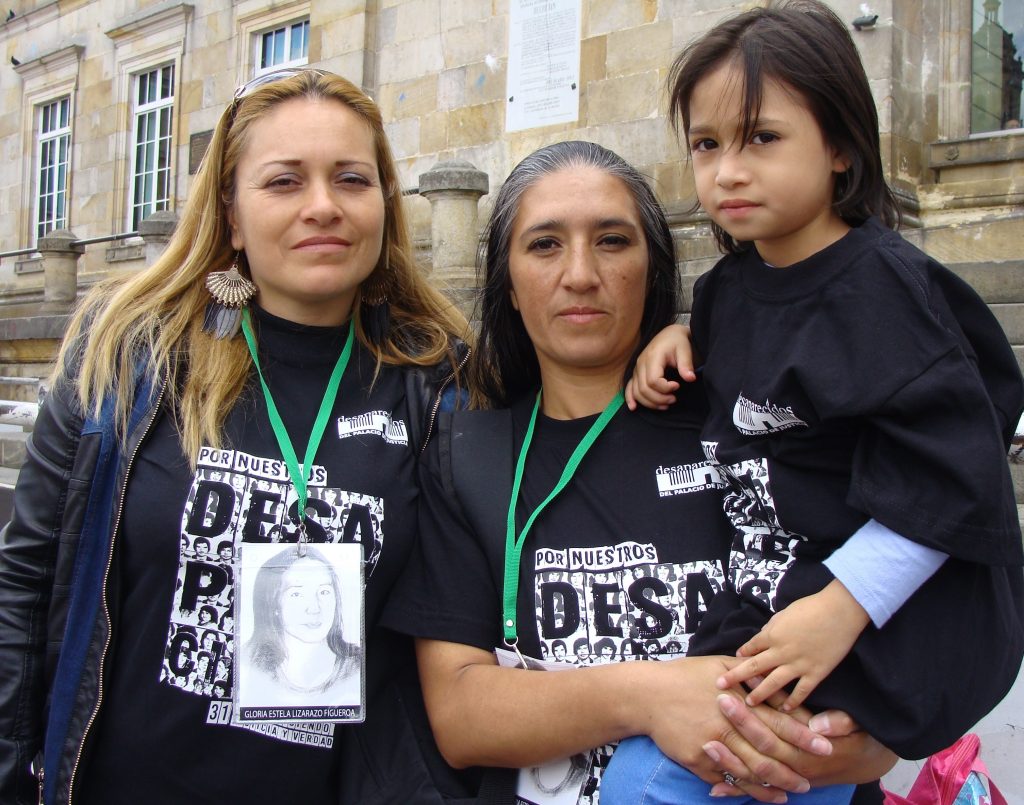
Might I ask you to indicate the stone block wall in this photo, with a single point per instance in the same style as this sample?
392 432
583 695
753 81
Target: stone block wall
438 69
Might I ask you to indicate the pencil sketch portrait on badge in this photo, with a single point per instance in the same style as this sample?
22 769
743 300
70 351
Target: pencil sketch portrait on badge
560 782
300 616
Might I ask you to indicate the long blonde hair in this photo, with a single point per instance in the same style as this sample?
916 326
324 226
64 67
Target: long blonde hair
158 312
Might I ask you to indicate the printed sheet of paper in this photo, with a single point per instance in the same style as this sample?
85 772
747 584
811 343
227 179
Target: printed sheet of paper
543 63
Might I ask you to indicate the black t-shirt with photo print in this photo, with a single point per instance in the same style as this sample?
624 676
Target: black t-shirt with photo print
163 733
868 381
621 565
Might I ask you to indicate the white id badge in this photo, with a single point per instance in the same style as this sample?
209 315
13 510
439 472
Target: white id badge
560 782
299 611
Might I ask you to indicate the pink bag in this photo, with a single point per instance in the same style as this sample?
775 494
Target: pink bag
952 777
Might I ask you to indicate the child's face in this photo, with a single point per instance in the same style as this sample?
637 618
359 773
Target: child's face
776 188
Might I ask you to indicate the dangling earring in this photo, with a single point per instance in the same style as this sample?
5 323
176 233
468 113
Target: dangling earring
230 292
376 313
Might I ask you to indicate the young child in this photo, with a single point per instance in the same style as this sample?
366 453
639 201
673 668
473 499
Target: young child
862 401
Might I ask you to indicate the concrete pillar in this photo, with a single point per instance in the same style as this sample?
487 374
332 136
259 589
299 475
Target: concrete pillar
453 190
60 265
156 230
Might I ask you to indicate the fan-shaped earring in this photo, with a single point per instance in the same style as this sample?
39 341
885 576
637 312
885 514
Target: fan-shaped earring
230 292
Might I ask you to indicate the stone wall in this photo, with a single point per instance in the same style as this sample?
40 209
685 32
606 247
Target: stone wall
438 69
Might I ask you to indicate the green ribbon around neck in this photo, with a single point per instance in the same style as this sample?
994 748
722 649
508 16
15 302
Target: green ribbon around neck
299 475
514 545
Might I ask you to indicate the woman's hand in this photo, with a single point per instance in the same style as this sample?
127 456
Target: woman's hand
483 714
686 717
856 757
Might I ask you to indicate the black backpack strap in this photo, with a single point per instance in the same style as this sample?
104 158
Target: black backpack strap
498 787
476 456
475 452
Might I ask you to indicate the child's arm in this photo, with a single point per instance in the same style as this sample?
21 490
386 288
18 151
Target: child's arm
877 570
882 569
803 642
648 386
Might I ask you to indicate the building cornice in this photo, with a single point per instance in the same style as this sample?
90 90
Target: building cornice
54 60
150 21
40 15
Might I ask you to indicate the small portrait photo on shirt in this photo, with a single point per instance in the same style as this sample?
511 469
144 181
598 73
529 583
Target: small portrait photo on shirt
301 633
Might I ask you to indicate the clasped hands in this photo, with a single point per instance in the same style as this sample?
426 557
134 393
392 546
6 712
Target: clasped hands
768 753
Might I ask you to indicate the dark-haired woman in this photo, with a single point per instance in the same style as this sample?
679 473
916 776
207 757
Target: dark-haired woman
580 273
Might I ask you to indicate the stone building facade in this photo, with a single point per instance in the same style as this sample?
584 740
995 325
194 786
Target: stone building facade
105 106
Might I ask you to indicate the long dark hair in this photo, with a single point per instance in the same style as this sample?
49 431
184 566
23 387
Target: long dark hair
266 647
804 45
504 364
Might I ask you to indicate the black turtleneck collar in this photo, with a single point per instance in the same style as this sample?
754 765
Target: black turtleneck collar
293 344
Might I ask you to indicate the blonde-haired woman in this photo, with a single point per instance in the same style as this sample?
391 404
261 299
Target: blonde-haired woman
167 427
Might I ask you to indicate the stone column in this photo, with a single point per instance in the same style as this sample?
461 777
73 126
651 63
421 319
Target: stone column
60 253
453 190
156 230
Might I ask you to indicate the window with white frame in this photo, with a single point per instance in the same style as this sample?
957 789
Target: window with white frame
153 115
53 148
284 46
997 75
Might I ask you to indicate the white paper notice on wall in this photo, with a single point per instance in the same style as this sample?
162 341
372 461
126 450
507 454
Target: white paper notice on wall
543 63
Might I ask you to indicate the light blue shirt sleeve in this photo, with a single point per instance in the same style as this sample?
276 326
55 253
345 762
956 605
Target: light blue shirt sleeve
882 569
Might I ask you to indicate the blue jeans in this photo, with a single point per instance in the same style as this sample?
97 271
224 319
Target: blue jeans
640 774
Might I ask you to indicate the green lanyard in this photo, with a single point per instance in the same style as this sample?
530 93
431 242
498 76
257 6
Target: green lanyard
295 472
513 546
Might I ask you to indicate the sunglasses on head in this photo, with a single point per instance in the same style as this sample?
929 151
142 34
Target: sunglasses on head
280 74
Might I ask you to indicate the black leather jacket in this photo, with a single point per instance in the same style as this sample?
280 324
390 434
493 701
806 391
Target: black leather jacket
54 564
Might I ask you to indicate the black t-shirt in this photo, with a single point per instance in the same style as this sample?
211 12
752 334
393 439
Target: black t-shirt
621 565
162 733
867 382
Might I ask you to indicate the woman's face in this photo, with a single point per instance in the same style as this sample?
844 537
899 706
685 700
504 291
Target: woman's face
307 601
308 210
578 269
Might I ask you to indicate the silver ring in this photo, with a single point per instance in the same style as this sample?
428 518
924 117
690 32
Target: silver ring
766 785
729 778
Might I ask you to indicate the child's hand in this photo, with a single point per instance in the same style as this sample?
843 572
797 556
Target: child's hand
803 642
648 386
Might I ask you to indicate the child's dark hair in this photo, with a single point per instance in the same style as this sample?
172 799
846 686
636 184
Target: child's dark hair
804 45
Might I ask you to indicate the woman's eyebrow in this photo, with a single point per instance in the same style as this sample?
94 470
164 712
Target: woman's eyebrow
339 163
603 223
551 223
616 223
